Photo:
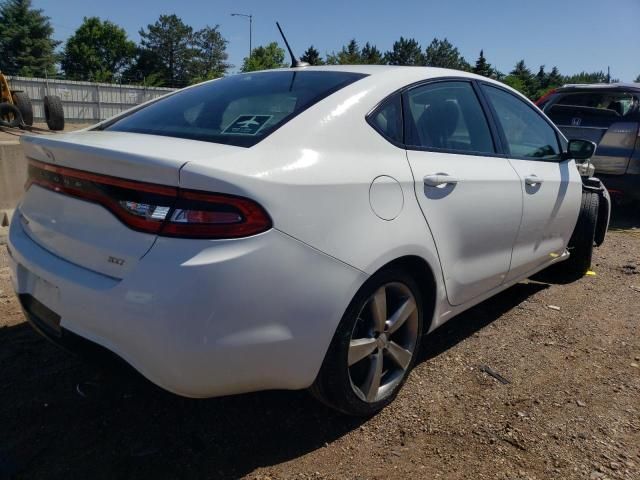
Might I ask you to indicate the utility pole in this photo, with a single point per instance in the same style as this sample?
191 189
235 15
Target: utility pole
250 17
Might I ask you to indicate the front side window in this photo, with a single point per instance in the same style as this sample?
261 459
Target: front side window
527 134
447 116
237 110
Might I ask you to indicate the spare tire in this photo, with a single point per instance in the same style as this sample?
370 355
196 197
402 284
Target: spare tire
22 101
10 115
53 112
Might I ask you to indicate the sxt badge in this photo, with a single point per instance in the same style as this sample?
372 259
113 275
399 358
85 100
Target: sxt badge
117 261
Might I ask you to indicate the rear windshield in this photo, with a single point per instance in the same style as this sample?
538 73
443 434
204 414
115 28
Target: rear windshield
602 104
237 110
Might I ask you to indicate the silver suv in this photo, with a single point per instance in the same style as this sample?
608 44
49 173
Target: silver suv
609 115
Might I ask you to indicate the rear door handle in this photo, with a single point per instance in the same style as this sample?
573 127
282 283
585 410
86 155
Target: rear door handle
532 180
437 179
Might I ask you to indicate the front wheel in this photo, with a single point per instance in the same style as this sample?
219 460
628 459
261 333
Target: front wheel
374 347
583 238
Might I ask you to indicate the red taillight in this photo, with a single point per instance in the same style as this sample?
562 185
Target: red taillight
213 215
157 209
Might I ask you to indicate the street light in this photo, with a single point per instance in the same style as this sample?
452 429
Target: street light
250 17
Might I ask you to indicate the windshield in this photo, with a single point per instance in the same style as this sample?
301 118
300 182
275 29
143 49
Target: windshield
238 110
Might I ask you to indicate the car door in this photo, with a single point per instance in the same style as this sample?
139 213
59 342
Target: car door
469 194
551 183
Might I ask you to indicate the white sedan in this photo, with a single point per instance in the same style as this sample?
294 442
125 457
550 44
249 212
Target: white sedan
297 228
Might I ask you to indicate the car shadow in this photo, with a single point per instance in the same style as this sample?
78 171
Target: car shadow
60 417
625 217
475 319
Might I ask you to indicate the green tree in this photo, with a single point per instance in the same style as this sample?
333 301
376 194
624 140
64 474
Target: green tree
542 78
516 83
169 46
264 58
405 51
637 80
210 56
545 82
441 53
588 77
26 42
554 79
98 50
349 55
482 67
521 70
146 69
370 55
522 79
539 83
312 56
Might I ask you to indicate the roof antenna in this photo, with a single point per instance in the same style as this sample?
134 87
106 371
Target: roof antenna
294 61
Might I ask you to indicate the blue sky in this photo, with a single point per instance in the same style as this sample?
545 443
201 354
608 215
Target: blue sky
575 35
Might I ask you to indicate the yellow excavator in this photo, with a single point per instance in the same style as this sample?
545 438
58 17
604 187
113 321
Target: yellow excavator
16 110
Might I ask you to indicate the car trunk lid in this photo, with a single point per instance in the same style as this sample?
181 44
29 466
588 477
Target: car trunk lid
82 229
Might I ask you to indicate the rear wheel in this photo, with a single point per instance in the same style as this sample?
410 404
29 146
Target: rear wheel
23 103
375 346
53 112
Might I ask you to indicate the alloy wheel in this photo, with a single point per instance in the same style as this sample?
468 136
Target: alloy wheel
383 342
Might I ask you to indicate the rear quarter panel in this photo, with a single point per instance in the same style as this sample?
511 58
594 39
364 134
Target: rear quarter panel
314 176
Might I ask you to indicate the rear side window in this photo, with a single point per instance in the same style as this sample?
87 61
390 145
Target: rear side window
527 134
238 110
447 116
387 119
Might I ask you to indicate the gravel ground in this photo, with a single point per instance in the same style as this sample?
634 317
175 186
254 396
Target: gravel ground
571 409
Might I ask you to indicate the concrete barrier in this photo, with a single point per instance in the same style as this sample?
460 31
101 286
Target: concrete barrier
13 174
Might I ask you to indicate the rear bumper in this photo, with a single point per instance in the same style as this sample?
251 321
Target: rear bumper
627 185
198 318
46 323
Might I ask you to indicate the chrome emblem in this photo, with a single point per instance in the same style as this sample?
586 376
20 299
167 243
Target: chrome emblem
117 261
576 121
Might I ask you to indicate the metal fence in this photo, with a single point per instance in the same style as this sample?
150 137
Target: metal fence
84 102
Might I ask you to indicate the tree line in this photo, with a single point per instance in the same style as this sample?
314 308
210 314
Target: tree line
172 53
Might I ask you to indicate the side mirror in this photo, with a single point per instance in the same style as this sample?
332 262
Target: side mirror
581 149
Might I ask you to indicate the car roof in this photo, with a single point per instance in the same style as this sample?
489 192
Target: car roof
394 77
381 70
600 86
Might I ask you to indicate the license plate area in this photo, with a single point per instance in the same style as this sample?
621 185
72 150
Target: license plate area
39 299
42 317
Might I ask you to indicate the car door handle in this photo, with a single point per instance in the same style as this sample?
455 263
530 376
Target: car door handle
437 179
532 180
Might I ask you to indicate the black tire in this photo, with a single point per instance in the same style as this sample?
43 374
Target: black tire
582 241
53 112
334 386
22 101
10 115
